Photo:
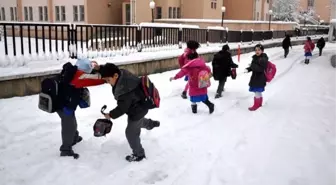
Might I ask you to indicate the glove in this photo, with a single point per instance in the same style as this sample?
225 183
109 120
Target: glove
68 111
246 70
83 104
171 79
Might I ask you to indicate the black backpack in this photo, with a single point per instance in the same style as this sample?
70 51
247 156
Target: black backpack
152 96
48 97
102 126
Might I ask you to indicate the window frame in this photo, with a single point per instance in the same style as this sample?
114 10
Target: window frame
170 12
81 11
75 13
63 14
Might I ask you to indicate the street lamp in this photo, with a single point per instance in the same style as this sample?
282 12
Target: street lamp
223 12
152 6
270 12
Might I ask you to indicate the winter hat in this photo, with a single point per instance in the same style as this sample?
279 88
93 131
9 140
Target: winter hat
259 46
226 47
108 70
84 65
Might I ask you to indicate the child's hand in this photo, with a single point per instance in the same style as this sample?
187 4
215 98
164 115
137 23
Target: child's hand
171 79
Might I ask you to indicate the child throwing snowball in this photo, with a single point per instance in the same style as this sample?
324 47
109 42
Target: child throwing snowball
192 46
199 80
258 79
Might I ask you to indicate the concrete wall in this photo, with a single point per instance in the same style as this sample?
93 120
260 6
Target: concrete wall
24 85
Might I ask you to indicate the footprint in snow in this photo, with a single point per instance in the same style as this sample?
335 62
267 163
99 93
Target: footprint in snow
155 176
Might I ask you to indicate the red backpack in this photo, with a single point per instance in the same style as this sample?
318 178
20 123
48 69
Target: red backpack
152 96
270 71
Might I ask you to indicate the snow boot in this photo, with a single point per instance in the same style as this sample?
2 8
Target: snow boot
218 96
69 153
194 108
307 61
184 95
256 105
210 105
134 158
153 125
77 139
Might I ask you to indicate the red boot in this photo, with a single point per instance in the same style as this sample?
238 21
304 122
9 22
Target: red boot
261 101
256 105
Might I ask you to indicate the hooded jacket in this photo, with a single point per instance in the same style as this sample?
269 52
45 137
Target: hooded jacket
222 64
129 96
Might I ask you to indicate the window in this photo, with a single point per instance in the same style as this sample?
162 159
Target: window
213 4
11 9
170 12
28 13
174 12
268 1
57 13
82 12
178 13
45 13
128 14
3 13
63 13
40 10
0 15
75 13
15 14
158 12
310 3
257 16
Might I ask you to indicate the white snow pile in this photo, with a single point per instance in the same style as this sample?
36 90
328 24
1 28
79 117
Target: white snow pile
225 21
165 25
289 141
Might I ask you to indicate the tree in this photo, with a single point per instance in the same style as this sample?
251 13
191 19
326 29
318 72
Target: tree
286 10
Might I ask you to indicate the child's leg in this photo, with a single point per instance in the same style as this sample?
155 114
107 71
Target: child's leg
258 95
193 107
210 105
186 87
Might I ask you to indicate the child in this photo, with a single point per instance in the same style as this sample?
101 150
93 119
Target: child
126 88
71 93
308 49
286 43
221 65
320 45
192 46
192 69
258 79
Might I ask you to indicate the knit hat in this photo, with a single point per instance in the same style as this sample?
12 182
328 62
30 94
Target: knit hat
84 65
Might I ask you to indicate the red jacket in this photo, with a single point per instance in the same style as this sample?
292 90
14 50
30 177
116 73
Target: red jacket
82 79
309 46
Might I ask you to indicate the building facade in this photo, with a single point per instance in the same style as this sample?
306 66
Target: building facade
324 9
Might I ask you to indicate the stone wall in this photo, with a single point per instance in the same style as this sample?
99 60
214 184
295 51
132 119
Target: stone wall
29 84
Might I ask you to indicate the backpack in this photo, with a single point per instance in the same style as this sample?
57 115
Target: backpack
102 126
152 96
48 100
270 71
204 79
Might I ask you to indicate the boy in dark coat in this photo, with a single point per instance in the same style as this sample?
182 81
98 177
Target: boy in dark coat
222 64
320 44
286 43
128 92
258 79
70 95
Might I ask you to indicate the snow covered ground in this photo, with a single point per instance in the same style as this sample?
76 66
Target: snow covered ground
52 62
289 141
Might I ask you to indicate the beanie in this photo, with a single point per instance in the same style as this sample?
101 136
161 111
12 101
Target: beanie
84 65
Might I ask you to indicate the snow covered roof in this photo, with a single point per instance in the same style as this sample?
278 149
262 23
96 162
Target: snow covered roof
166 25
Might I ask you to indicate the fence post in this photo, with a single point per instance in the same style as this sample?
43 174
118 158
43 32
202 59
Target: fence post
227 35
272 34
139 38
263 35
207 37
252 35
241 36
179 37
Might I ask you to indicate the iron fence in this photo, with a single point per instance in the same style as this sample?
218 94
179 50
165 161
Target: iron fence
40 38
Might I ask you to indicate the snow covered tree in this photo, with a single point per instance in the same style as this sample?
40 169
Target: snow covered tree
286 10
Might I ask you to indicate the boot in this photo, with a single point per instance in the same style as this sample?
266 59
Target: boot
261 101
218 96
77 139
69 153
134 158
256 105
194 108
153 125
210 105
184 95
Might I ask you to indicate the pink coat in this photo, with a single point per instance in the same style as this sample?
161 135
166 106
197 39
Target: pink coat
182 59
309 46
192 68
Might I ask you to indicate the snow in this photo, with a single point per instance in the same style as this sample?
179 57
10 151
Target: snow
124 56
216 28
289 141
225 21
333 21
164 25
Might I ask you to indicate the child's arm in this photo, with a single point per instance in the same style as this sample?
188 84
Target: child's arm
82 79
181 74
259 66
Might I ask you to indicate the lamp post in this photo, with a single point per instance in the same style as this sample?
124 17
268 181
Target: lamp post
270 13
152 6
223 13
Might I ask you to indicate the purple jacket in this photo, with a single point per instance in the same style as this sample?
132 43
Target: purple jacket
192 68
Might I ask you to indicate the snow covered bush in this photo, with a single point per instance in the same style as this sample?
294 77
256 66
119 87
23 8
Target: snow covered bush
286 10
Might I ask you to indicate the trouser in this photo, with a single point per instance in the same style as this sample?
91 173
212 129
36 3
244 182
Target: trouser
286 52
257 94
320 51
69 130
133 131
221 85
